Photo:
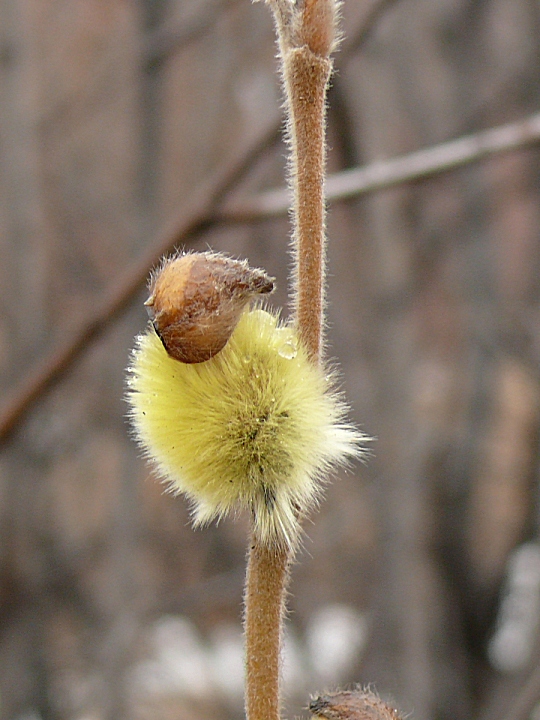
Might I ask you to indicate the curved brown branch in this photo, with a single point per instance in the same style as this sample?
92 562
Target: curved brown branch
197 213
173 35
200 212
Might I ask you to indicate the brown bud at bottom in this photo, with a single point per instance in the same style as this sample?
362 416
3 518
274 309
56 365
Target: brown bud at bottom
196 301
352 705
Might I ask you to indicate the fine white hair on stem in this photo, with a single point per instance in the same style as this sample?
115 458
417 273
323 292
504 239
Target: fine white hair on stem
307 34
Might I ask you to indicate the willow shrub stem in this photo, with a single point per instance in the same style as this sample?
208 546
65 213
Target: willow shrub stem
307 78
306 33
266 582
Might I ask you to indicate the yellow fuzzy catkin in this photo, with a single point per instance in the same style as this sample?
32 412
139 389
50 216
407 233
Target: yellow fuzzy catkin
256 427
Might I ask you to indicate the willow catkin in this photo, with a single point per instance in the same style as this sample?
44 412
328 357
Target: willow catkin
257 426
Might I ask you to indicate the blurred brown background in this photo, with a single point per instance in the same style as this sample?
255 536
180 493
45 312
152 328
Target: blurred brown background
124 127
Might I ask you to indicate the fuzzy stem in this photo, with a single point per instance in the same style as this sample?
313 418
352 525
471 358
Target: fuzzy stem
306 34
306 77
266 582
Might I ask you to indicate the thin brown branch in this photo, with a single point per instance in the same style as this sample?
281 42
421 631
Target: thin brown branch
307 36
396 171
369 23
173 35
195 215
202 211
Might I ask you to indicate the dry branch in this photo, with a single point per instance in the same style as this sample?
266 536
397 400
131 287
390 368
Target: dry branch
388 173
201 211
171 36
197 213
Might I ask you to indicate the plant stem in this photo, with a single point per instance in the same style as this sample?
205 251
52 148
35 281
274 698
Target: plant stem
266 582
306 36
306 81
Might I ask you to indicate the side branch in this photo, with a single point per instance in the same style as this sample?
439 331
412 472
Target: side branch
418 165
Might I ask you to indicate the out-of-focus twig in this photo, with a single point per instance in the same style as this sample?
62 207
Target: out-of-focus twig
388 173
172 35
196 214
370 20
202 210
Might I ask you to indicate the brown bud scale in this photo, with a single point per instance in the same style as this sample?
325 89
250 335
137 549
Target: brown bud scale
197 299
352 705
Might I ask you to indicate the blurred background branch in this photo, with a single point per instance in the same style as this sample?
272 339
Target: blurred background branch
202 212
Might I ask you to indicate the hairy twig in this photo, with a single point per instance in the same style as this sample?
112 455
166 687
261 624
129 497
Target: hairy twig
306 36
264 601
306 74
